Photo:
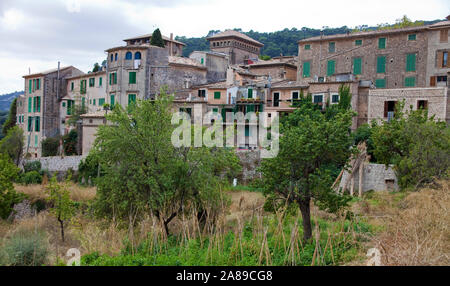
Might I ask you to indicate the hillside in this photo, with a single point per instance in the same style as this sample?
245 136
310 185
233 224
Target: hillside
6 99
279 42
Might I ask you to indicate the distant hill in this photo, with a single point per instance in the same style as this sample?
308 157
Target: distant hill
279 42
6 99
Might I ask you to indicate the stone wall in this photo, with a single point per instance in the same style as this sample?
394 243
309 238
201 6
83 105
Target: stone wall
250 160
58 164
376 177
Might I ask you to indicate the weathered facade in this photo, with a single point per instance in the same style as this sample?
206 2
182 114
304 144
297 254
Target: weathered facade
173 47
215 63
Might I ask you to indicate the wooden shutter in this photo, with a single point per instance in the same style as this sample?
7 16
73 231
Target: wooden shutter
29 87
444 36
385 109
432 81
357 65
381 64
439 59
306 69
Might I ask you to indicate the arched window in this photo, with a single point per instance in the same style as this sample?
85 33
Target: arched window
128 56
112 57
137 56
115 57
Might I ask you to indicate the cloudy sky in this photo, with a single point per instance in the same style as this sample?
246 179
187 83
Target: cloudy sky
36 35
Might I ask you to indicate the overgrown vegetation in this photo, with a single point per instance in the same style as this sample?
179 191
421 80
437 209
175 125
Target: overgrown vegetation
25 248
8 196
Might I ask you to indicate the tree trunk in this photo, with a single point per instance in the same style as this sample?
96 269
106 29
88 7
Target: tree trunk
306 217
61 222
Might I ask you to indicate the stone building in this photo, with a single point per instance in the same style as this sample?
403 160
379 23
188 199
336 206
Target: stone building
173 47
239 47
278 68
438 64
41 115
215 63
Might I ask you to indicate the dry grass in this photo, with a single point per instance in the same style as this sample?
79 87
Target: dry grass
77 192
415 229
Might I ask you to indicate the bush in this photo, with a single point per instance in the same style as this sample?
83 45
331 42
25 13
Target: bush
26 248
8 196
70 143
33 177
32 166
88 167
50 146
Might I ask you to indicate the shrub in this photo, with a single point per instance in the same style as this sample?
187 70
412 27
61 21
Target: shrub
33 177
70 143
26 248
8 196
32 166
89 167
50 146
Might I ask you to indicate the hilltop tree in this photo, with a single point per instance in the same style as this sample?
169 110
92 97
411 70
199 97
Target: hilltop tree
161 179
313 143
96 68
157 39
12 117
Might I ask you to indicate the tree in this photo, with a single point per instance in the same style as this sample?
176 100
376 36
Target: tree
311 145
12 117
50 146
416 144
96 68
161 179
77 111
157 39
12 144
70 142
62 206
8 196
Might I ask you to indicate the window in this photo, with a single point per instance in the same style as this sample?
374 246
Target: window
331 47
101 101
112 57
29 104
380 83
29 86
215 110
422 104
382 43
112 100
131 98
34 104
128 56
92 82
294 96
358 42
115 57
83 102
187 110
37 124
444 59
307 47
410 62
202 61
100 81
83 86
113 78
30 123
444 36
137 56
201 93
250 93
410 81
330 67
276 99
70 106
71 86
318 98
412 37
306 69
132 78
38 84
381 64
217 95
63 104
334 98
38 104
93 102
389 109
357 65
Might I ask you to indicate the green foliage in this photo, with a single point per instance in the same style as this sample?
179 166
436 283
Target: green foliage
77 111
312 146
62 206
96 68
50 146
32 166
32 177
12 118
264 57
364 134
160 178
26 248
70 142
89 167
157 39
404 22
8 196
416 144
12 144
3 117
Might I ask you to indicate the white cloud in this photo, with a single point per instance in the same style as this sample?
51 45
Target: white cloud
73 6
12 19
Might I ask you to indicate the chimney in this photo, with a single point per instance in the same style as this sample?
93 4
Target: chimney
448 17
171 43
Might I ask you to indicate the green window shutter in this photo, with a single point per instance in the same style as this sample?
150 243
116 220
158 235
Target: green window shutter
131 98
83 102
112 100
92 82
71 86
30 123
215 110
330 67
29 87
247 130
64 104
29 104
34 84
34 104
358 42
110 79
115 78
357 65
101 101
217 95
410 81
93 101
37 124
381 64
35 140
132 78
412 37
306 69
380 83
38 103
100 81
382 43
250 93
202 61
307 47
410 62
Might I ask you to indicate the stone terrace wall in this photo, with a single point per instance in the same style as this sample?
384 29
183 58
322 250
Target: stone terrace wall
376 177
58 164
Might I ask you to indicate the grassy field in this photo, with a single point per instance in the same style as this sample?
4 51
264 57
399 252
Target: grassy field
408 228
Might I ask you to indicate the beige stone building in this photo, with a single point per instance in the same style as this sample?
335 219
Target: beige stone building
173 47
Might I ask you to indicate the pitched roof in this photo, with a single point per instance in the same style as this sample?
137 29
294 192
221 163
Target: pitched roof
47 72
185 62
215 85
150 36
287 84
236 34
91 74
